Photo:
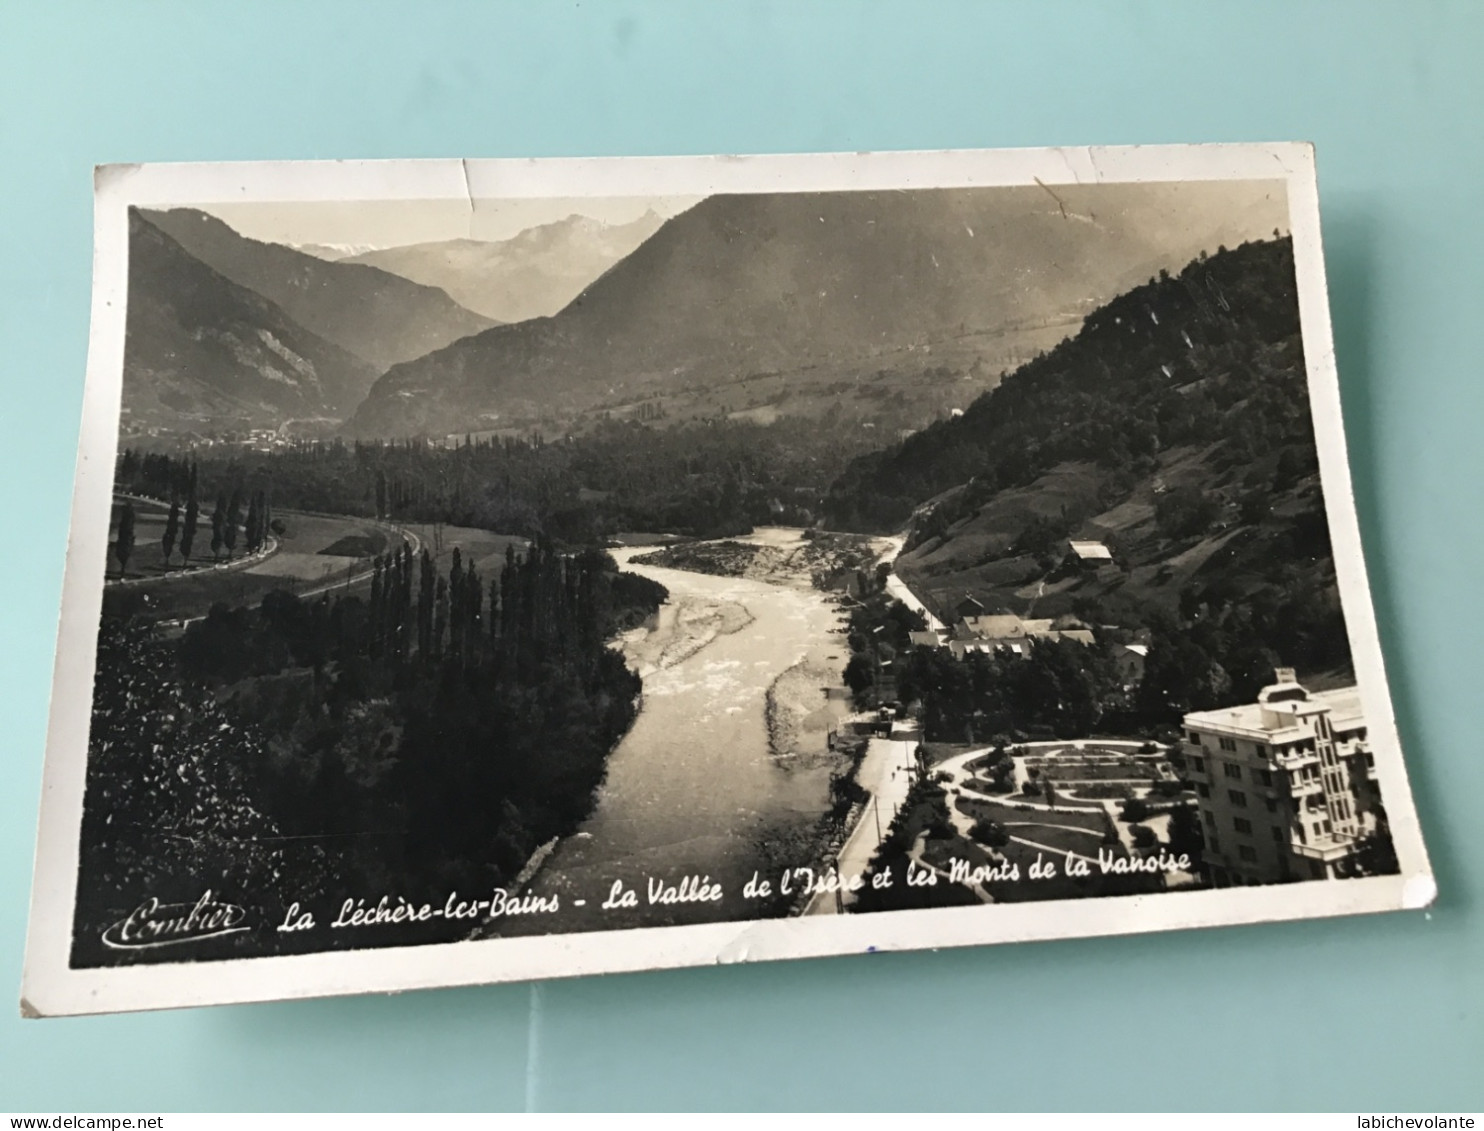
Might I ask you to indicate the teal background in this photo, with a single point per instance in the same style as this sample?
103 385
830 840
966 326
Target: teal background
1372 1014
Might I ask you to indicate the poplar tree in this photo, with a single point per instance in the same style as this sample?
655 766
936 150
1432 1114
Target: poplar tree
192 516
425 606
124 547
172 529
234 520
252 540
440 615
218 525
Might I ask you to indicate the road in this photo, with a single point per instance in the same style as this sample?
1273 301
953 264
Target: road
900 590
321 587
886 773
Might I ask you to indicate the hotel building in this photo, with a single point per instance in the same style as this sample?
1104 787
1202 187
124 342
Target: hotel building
1286 785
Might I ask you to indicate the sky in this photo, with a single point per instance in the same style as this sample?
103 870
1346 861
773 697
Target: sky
397 223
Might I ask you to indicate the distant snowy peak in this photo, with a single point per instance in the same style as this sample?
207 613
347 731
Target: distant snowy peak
532 274
333 252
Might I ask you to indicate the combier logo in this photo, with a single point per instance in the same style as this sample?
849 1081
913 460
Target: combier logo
154 924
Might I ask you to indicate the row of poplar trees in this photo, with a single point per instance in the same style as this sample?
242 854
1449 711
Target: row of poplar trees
228 524
544 607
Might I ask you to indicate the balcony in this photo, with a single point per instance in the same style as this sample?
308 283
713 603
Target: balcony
1331 848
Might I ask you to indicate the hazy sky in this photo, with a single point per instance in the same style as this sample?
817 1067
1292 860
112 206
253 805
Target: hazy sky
395 223
1158 210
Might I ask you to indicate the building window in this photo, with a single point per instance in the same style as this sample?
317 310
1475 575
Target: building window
1194 737
1247 853
1202 789
1242 825
1210 818
1232 770
1265 777
1198 765
1237 798
1215 845
1272 805
1227 744
1277 834
1262 751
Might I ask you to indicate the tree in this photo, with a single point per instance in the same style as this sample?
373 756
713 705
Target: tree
1375 853
1185 833
254 537
989 833
219 525
859 674
124 548
234 521
1185 511
192 516
172 529
1135 809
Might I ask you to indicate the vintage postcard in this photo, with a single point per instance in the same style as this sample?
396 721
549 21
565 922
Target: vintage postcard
496 570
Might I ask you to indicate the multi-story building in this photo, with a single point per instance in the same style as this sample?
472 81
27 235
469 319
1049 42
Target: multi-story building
1286 785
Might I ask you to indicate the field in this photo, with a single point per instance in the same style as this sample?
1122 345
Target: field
300 564
485 550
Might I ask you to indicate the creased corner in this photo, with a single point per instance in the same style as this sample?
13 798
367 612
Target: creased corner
110 176
468 192
1419 892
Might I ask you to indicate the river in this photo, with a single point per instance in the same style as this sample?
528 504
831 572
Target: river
694 788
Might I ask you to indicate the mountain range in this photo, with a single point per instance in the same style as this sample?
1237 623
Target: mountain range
532 274
807 302
204 354
377 315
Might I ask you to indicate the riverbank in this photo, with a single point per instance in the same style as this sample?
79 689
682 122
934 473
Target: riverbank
822 559
680 630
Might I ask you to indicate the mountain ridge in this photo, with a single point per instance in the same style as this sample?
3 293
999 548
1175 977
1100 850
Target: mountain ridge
529 275
376 315
203 353
825 292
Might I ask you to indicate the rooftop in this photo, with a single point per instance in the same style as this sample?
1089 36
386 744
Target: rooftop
1283 708
1091 551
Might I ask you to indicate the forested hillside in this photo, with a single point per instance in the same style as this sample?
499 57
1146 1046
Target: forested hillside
1210 355
1174 429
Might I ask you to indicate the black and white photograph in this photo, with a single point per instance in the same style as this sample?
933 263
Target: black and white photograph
515 569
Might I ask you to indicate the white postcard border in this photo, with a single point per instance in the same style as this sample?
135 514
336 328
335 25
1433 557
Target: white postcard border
51 987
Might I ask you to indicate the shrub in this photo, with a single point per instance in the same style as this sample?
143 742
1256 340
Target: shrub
1134 809
1143 836
989 833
